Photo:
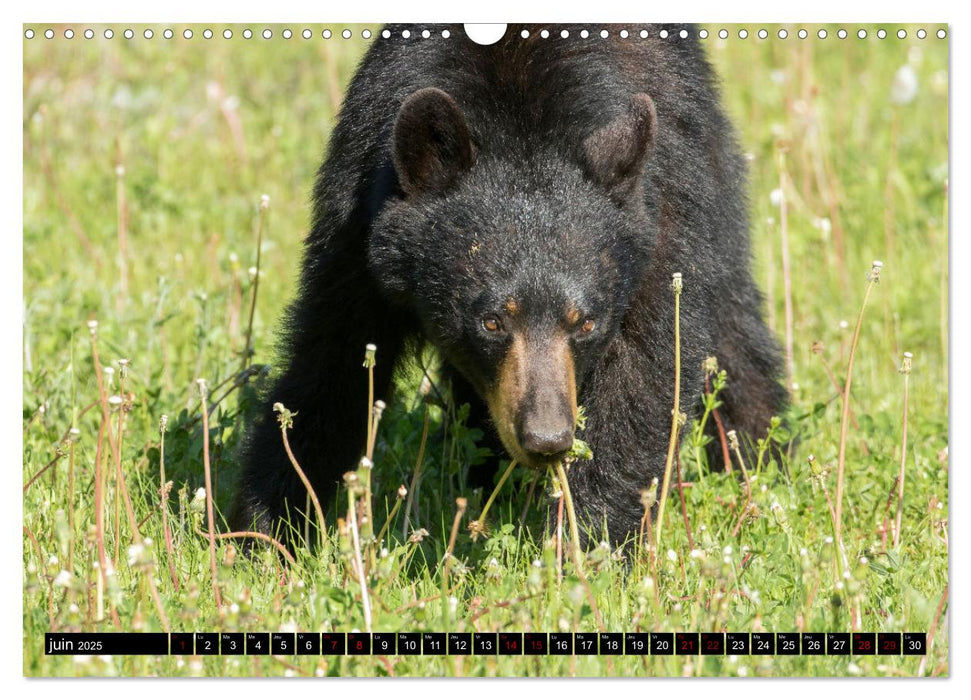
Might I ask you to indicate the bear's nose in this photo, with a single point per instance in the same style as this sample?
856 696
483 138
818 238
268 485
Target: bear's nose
547 442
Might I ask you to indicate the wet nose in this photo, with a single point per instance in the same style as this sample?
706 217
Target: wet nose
543 442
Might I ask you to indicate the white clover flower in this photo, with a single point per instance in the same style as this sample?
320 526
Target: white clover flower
234 608
672 556
63 579
264 201
696 554
777 76
73 608
776 197
904 87
727 550
829 539
853 669
804 552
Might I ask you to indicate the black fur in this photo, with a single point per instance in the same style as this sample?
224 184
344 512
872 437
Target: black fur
581 171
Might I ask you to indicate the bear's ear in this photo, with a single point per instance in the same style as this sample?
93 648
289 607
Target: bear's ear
431 146
615 154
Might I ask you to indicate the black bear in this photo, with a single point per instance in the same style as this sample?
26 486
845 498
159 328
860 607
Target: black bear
522 207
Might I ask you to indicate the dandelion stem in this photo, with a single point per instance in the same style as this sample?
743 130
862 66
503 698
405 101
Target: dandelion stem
479 524
676 286
209 513
286 421
574 528
786 270
414 478
358 561
461 504
743 511
164 504
122 214
905 368
872 279
248 349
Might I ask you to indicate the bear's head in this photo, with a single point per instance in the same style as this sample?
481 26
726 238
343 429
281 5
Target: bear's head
519 253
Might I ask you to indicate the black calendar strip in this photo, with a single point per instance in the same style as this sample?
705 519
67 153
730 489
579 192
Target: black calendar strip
489 643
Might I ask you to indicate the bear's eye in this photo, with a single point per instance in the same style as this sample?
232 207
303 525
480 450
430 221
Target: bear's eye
491 324
587 326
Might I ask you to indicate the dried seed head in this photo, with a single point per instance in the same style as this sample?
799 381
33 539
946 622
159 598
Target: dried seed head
203 388
710 365
163 423
402 491
907 363
477 529
369 352
365 463
462 504
379 407
73 435
264 201
417 535
776 197
649 496
676 284
114 402
875 271
732 439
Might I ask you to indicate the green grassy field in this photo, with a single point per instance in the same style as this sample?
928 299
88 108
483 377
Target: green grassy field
144 164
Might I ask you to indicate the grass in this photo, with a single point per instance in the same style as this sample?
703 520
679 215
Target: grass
144 167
